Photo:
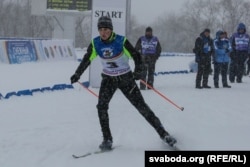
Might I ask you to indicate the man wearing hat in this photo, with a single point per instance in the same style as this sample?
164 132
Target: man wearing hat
150 49
114 51
203 50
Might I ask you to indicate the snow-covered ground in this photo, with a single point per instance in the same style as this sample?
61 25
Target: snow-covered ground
45 129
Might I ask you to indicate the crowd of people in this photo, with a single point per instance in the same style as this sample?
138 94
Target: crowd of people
223 55
227 55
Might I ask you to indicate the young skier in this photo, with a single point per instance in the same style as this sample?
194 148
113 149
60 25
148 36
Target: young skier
114 51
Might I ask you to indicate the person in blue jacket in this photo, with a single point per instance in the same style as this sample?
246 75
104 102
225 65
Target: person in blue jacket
114 51
222 49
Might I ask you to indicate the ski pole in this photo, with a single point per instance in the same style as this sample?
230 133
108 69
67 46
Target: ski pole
159 93
93 93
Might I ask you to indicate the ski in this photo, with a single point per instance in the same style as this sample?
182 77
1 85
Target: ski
93 152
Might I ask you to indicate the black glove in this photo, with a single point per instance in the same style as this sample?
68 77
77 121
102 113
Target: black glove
74 78
138 72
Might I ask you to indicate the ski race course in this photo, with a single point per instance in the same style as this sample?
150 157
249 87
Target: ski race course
44 129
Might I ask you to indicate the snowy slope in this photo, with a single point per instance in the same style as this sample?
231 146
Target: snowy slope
45 129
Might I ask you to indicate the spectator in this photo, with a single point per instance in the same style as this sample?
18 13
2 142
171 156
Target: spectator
203 50
221 58
240 42
150 49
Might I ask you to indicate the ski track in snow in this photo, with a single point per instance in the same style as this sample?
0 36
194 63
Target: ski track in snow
45 129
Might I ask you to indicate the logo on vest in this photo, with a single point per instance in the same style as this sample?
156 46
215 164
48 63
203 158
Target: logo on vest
107 52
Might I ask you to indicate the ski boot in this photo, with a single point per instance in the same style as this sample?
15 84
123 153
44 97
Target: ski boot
169 140
106 145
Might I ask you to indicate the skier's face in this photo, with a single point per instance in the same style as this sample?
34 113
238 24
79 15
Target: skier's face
105 33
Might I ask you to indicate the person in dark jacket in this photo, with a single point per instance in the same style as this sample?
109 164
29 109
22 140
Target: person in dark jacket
222 49
203 50
150 49
240 42
114 51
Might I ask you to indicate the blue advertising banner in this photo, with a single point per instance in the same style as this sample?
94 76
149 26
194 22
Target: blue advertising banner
21 51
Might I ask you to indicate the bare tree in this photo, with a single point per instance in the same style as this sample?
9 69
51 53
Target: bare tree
233 12
178 32
17 21
136 30
83 31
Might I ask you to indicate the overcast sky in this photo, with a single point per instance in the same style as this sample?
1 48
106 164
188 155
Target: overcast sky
146 11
